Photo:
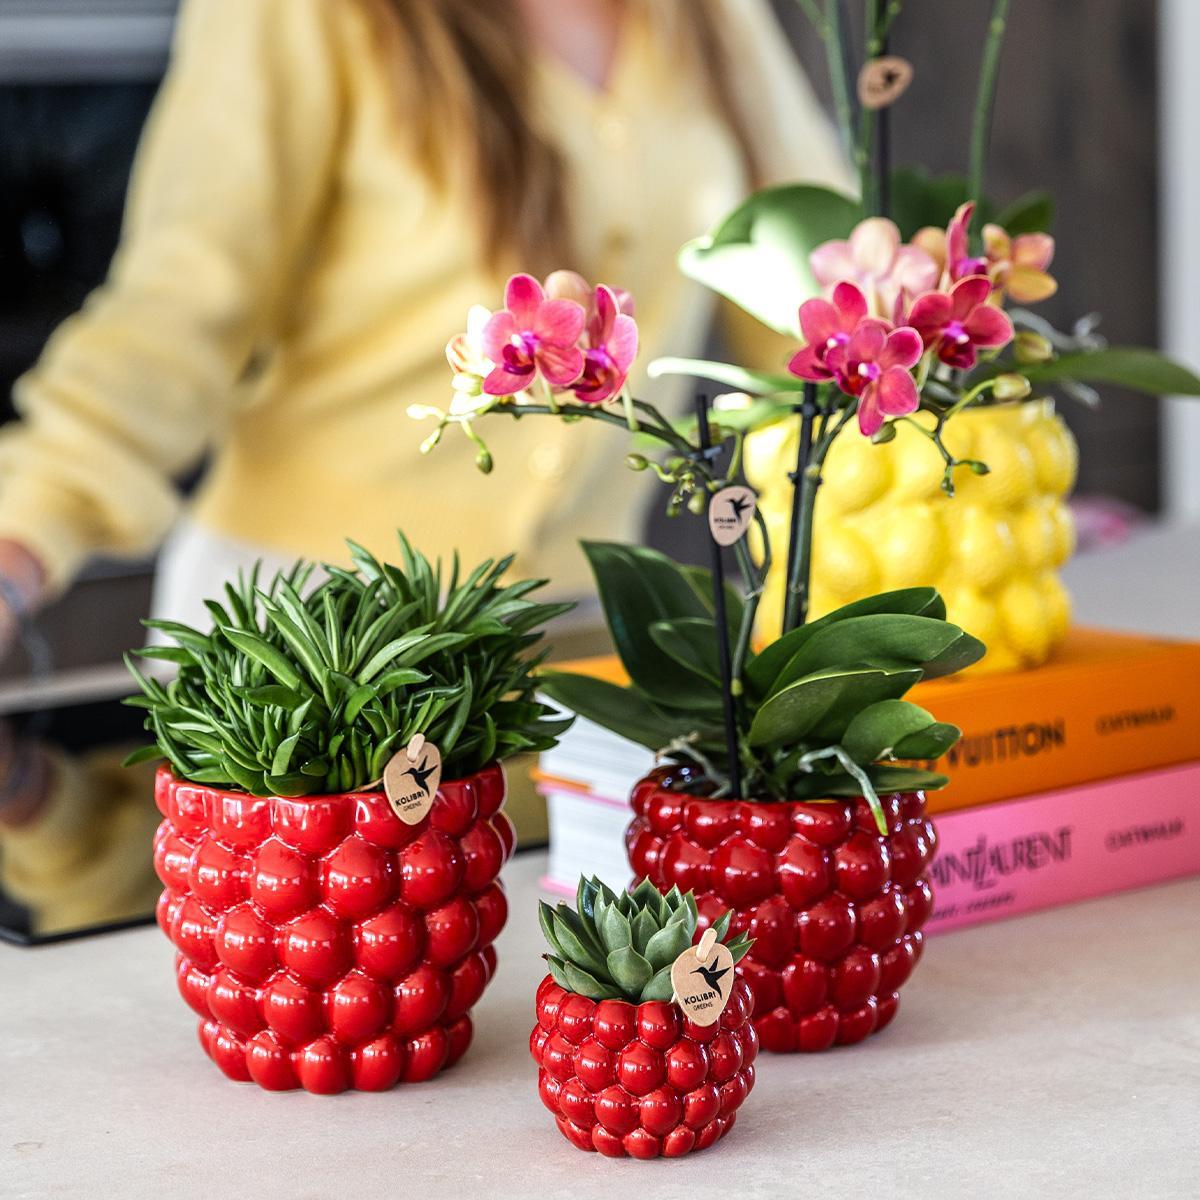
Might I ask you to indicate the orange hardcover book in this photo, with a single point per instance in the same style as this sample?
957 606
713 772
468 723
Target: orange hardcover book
1106 704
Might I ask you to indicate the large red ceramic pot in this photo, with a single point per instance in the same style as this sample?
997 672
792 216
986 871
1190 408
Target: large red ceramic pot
641 1080
835 908
324 943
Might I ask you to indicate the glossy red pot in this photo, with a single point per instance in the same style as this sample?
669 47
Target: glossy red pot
835 909
640 1080
324 943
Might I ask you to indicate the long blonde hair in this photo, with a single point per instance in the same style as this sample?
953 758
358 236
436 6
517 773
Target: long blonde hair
463 73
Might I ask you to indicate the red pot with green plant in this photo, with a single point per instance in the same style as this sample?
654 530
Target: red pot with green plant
621 1065
821 852
330 936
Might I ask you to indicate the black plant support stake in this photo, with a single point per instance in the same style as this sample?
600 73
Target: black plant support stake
722 622
798 607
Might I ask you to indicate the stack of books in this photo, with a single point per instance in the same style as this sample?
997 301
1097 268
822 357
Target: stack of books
1074 780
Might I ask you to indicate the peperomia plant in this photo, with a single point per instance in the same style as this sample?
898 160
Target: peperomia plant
612 947
296 690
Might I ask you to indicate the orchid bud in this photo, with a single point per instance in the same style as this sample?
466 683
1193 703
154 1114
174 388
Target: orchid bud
1011 387
697 503
1030 347
977 467
636 462
885 433
483 460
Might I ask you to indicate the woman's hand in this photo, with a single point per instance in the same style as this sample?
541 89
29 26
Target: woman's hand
22 588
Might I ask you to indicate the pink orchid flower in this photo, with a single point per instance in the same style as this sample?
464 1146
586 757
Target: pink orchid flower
826 325
875 260
950 249
1018 265
957 325
610 346
532 335
875 365
868 358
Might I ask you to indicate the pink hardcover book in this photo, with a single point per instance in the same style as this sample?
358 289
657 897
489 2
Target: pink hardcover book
1000 860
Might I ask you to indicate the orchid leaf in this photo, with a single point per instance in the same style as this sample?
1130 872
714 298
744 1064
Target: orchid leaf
757 256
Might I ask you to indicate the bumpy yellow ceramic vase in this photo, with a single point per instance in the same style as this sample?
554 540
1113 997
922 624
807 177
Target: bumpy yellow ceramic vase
882 522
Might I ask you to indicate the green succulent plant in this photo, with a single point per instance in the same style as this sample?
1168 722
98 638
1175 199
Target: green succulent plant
297 690
819 712
622 947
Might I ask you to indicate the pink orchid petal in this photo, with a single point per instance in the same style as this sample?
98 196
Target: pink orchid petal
622 343
870 419
867 341
851 305
603 315
904 348
558 321
896 392
968 294
929 313
873 244
503 383
561 365
832 261
1034 250
956 233
568 285
989 326
819 321
915 271
522 296
498 333
805 364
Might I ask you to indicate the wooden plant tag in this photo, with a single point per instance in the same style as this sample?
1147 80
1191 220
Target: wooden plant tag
702 977
882 81
730 512
411 779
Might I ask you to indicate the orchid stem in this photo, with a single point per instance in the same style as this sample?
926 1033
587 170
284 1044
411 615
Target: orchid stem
981 122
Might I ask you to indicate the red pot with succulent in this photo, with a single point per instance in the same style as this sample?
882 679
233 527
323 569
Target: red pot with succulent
626 1066
334 933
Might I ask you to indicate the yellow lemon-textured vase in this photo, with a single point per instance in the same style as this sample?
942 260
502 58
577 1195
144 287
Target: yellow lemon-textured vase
882 522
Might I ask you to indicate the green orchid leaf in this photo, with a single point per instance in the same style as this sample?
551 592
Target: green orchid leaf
758 255
638 586
875 640
918 199
875 732
764 668
1134 367
700 579
963 652
928 744
1030 213
692 643
820 706
623 710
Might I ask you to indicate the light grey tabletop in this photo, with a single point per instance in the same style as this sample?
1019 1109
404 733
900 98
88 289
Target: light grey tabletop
1053 1055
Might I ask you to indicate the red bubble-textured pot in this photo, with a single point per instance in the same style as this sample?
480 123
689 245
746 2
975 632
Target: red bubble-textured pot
324 943
641 1080
835 908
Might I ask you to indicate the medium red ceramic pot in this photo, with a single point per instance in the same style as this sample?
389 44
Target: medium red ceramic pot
641 1079
835 909
324 943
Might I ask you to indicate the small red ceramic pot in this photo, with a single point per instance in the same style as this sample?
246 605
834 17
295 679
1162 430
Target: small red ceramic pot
835 909
324 943
641 1080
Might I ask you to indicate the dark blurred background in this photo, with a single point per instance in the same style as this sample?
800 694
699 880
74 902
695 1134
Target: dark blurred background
1077 93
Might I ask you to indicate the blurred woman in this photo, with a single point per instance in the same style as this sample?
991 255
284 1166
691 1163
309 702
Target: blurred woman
324 188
